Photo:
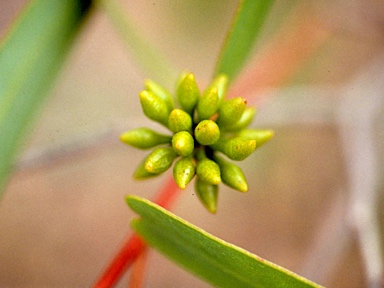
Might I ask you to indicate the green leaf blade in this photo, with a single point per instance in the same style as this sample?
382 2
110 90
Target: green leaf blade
218 262
30 58
250 17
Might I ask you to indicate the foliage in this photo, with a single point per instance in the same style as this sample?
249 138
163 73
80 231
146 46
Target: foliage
242 36
220 263
28 71
30 59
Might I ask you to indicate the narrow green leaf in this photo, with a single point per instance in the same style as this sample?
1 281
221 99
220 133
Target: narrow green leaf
246 26
154 63
30 57
218 262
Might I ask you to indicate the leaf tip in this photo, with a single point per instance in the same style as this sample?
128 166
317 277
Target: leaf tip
132 201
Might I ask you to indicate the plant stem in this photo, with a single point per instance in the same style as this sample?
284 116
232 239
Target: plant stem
243 33
137 275
153 62
134 246
123 260
359 112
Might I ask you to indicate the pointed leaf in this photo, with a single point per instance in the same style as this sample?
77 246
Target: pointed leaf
218 262
30 57
153 63
246 26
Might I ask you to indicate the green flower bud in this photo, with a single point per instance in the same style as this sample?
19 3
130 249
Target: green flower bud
236 148
160 160
208 171
205 125
232 175
188 93
181 77
144 138
207 194
221 83
207 132
245 119
179 120
261 136
183 143
160 92
208 104
231 110
183 171
140 172
154 107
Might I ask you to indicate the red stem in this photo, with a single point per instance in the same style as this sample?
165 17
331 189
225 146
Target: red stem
138 268
167 195
123 260
134 245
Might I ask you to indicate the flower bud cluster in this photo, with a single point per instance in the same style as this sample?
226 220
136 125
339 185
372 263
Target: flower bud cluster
206 129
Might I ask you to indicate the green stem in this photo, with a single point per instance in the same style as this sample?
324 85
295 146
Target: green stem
152 61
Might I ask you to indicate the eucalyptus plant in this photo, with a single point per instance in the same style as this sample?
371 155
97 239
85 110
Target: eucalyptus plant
207 132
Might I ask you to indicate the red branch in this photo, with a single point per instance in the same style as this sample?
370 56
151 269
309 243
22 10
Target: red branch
138 270
135 245
123 260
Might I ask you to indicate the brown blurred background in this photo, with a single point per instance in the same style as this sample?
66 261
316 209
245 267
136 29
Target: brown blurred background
63 214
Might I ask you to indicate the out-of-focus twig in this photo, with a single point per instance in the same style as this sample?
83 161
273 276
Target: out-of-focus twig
356 114
152 61
330 242
138 270
360 107
38 157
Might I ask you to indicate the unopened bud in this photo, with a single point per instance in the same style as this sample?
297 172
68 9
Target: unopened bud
154 107
144 138
188 93
236 148
183 143
261 136
183 171
245 119
208 104
231 110
140 172
232 175
179 120
207 132
221 83
160 160
161 92
208 171
207 194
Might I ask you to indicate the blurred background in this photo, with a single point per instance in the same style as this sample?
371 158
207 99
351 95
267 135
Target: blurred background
316 193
